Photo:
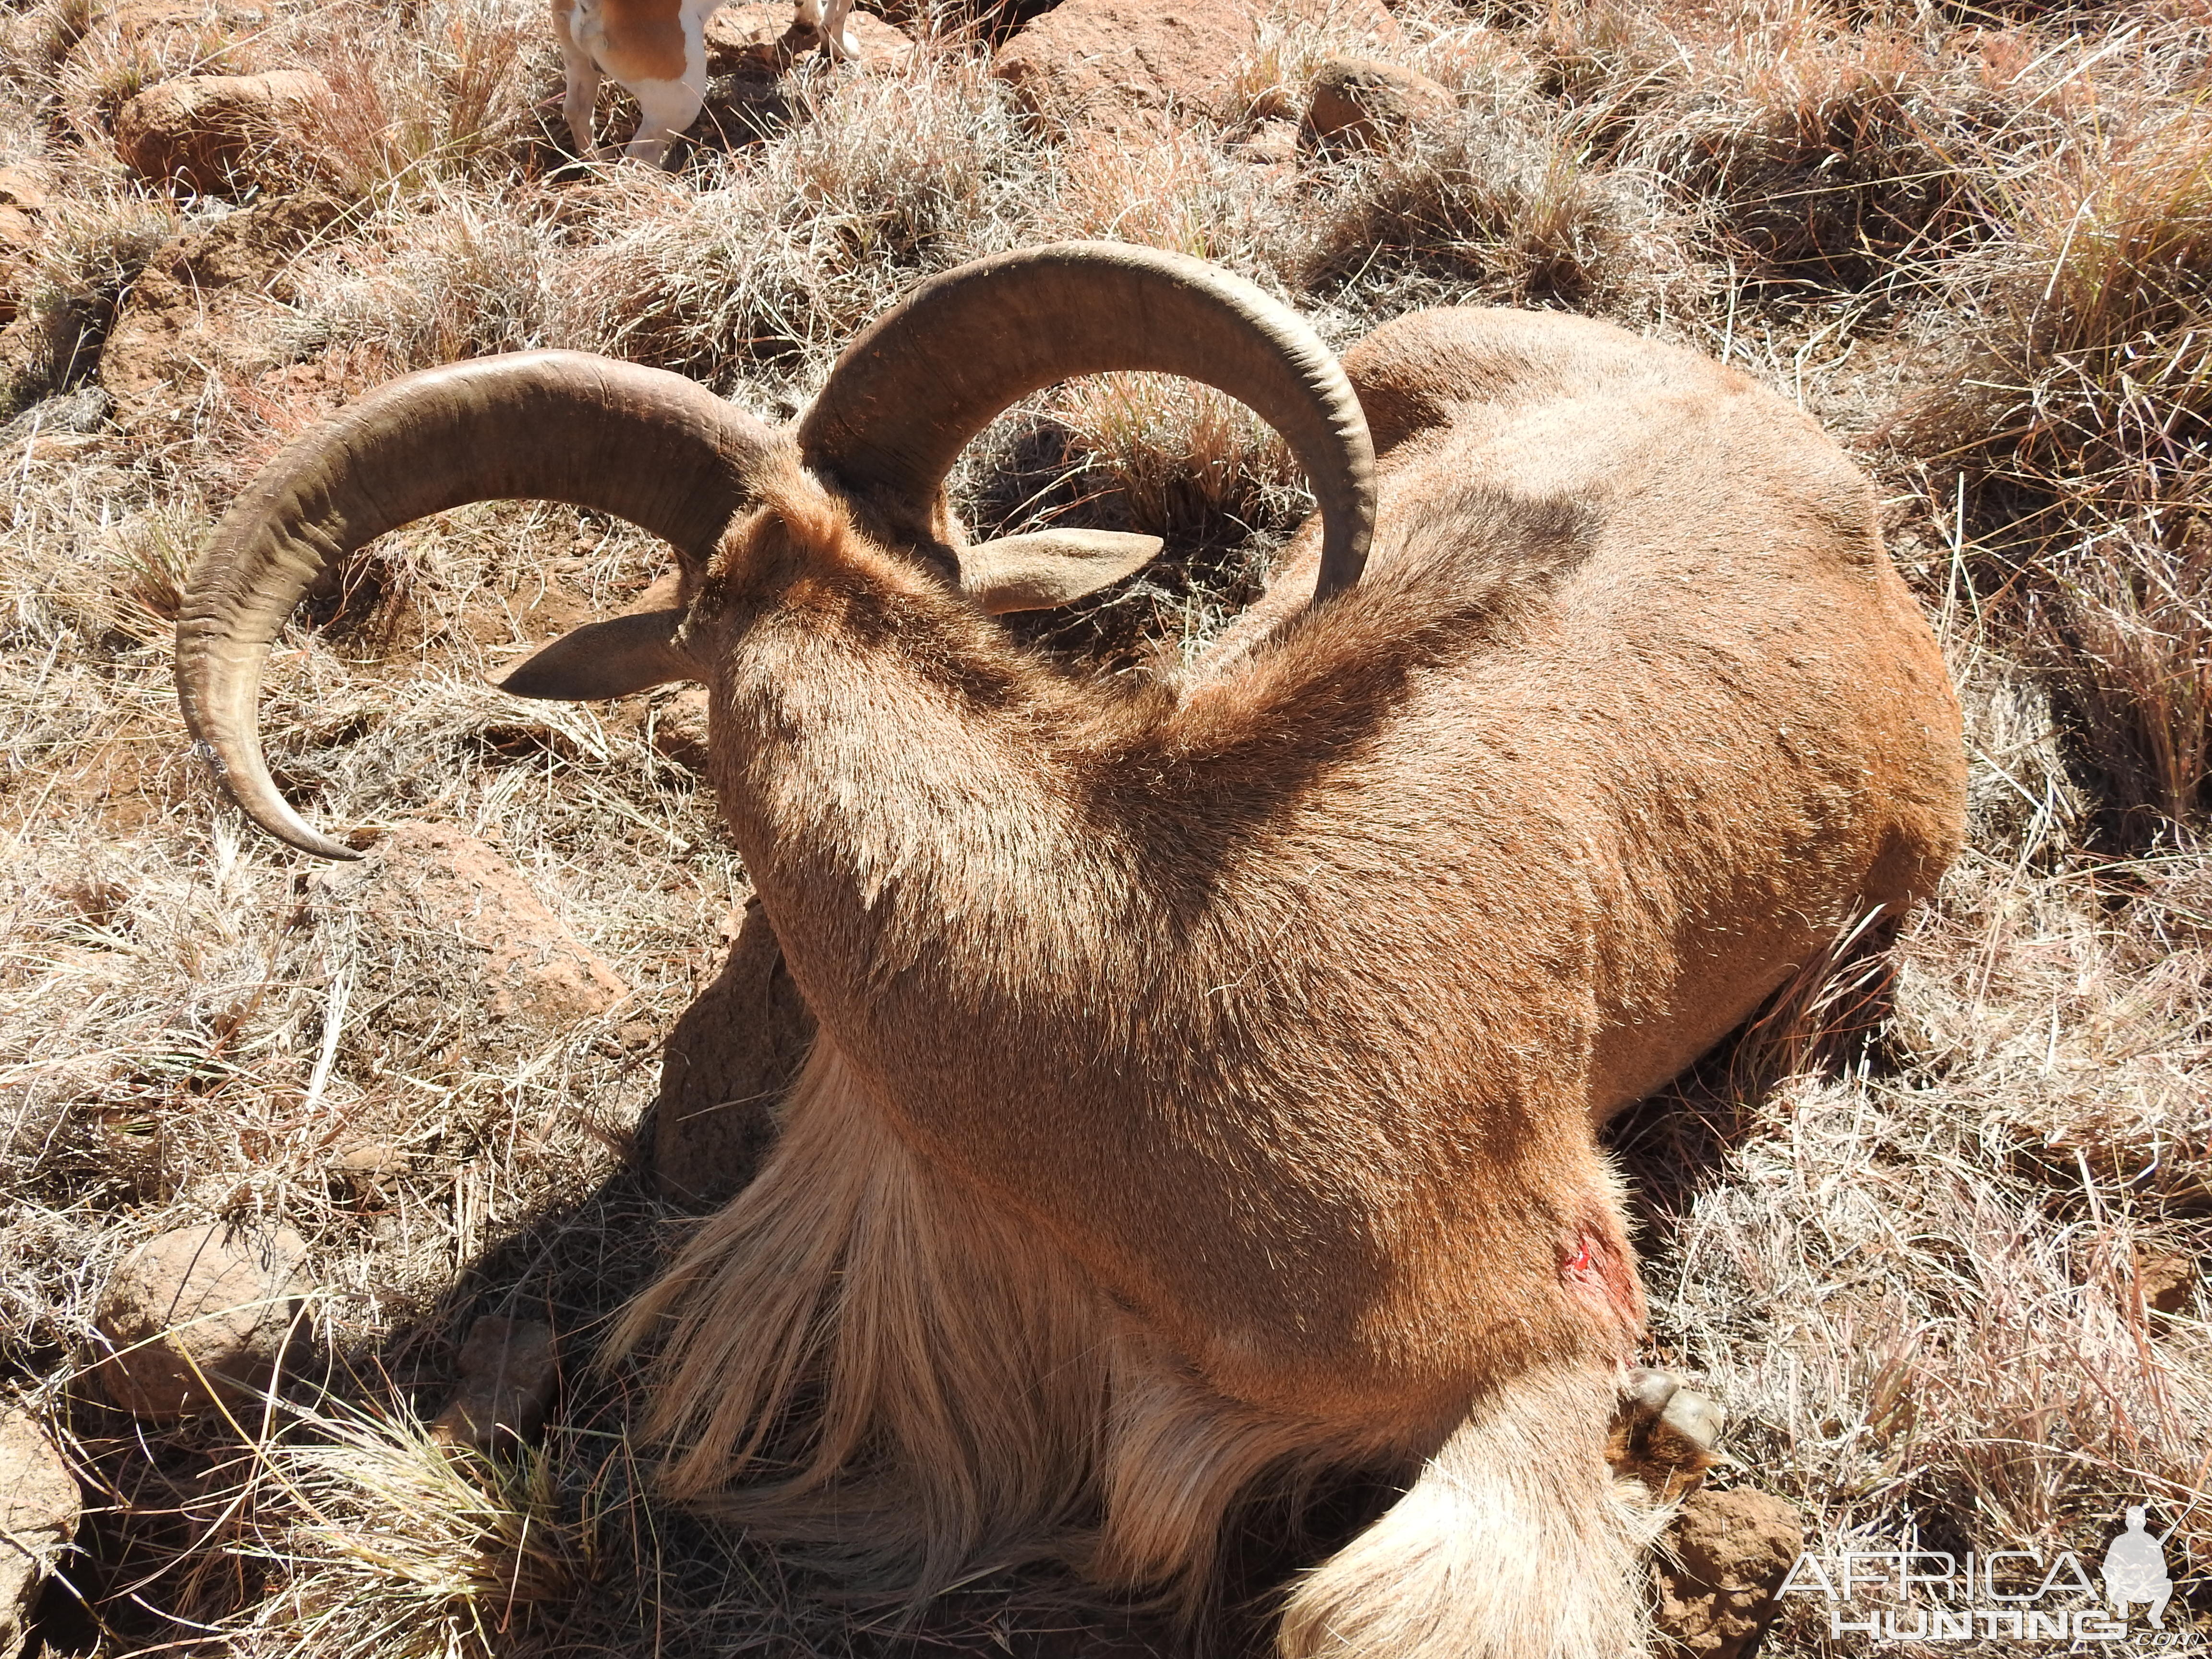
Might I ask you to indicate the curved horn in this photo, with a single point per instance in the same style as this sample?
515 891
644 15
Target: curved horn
907 395
558 426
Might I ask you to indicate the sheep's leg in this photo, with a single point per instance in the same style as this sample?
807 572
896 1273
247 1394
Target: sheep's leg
665 109
1515 1541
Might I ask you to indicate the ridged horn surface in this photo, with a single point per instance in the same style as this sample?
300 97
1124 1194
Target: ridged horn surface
909 393
558 426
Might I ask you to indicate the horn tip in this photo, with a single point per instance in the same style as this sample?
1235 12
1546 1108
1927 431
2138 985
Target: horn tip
320 846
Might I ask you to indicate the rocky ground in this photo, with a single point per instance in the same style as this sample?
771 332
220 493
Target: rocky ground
399 1137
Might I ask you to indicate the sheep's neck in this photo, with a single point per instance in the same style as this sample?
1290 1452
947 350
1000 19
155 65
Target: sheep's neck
892 775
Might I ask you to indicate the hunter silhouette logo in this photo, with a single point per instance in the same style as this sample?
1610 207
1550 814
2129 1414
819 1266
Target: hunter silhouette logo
2005 1595
2135 1570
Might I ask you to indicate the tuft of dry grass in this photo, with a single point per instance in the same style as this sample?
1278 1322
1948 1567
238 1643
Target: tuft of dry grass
452 276
2075 409
395 1545
41 36
1272 80
454 98
1832 158
2131 630
1184 194
1181 459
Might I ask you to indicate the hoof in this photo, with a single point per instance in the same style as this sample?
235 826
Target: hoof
1663 1434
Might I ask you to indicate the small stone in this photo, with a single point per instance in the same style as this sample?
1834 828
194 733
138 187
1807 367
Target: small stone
1734 1548
368 1166
39 1505
198 1316
1357 101
370 1158
201 130
508 1372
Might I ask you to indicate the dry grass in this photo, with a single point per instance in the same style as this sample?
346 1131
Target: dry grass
1902 1227
404 1548
2085 377
2075 415
771 263
452 98
93 247
1495 208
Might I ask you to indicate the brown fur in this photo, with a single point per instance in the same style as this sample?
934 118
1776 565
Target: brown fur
1208 1071
640 40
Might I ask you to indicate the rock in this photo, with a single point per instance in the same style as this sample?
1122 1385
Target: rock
1357 101
196 1317
368 1168
445 909
200 302
725 1065
759 42
1122 65
509 1370
39 1505
20 193
1734 1548
371 1160
22 223
209 132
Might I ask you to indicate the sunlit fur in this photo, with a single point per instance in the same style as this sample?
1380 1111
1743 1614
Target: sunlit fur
1209 1067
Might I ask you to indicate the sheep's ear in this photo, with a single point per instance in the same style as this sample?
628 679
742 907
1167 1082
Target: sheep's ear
1052 567
609 658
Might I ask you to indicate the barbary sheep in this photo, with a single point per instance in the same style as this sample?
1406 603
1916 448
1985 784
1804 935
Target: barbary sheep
1209 1068
657 49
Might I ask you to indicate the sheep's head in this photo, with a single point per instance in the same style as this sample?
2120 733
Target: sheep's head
654 448
668 635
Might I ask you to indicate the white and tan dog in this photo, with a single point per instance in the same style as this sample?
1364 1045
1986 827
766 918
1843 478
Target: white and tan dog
657 49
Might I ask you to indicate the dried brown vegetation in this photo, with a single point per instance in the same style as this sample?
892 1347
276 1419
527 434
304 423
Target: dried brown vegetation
1919 1229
